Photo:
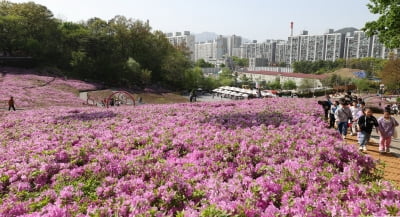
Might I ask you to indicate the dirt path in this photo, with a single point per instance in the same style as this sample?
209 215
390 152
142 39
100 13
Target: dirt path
391 162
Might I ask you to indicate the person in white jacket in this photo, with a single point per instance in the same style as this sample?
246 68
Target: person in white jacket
342 117
355 109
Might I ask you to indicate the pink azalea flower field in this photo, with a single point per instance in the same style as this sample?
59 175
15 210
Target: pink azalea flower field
270 157
31 90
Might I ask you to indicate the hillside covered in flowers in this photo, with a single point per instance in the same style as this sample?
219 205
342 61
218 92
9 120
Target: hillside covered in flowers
30 90
269 157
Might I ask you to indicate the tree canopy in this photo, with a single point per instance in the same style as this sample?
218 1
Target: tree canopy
289 85
241 62
317 67
203 64
120 51
391 74
387 26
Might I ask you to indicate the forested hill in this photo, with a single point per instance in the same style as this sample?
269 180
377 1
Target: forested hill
120 51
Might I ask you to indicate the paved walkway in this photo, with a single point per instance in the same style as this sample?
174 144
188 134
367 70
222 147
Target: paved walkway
391 162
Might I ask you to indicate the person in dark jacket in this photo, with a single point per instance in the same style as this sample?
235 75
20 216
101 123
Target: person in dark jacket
11 104
365 124
326 106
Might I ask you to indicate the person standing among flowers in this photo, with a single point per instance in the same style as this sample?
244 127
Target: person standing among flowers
365 124
342 117
387 125
11 104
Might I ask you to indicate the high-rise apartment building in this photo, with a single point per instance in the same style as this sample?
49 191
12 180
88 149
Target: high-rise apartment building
334 46
378 50
204 50
357 45
316 47
233 45
212 50
304 47
183 39
294 48
363 44
249 50
281 52
220 48
265 51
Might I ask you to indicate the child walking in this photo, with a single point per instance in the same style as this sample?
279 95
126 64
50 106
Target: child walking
365 124
342 116
332 114
387 125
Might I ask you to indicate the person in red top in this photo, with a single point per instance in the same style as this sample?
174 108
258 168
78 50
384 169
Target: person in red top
11 104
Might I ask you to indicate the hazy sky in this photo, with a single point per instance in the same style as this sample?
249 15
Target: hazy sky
252 19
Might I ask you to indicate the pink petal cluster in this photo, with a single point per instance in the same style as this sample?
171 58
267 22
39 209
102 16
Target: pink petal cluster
270 157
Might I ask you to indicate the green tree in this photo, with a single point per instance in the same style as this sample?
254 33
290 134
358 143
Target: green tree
362 84
209 83
275 85
244 79
335 80
133 72
203 64
289 85
282 64
145 76
226 78
306 84
29 29
387 26
12 34
120 51
241 62
317 67
174 67
390 74
193 78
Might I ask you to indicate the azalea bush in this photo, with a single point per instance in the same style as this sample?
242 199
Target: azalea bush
267 157
38 91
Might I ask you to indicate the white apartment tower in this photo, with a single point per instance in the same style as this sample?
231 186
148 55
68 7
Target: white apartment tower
185 39
281 52
316 47
334 46
212 50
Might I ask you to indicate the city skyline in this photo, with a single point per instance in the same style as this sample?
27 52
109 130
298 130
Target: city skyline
251 19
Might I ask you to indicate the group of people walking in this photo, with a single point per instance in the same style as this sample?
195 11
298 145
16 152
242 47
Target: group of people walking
351 114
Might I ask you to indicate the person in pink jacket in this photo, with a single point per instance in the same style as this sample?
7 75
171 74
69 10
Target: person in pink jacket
386 127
